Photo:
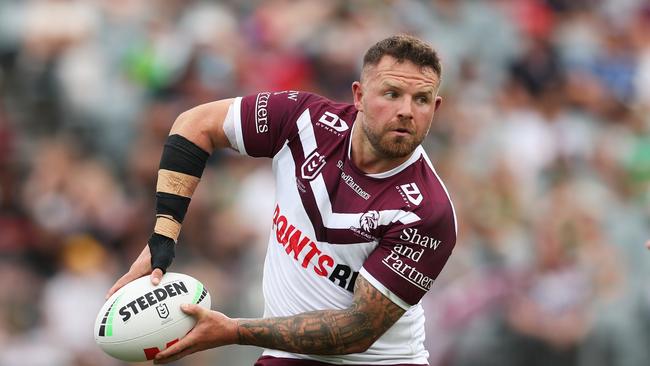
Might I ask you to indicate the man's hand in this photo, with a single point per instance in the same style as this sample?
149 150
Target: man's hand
647 244
212 329
141 267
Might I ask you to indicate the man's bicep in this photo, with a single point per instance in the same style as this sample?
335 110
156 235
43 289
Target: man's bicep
382 311
203 125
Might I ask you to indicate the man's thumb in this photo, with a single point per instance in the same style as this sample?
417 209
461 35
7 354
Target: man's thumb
156 276
191 309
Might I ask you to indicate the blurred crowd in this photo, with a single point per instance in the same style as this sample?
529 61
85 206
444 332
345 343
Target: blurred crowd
543 140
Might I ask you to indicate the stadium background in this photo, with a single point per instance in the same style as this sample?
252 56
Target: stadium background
543 140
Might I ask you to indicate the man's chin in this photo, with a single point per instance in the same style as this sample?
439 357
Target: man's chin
397 151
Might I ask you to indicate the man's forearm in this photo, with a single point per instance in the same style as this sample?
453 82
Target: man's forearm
326 332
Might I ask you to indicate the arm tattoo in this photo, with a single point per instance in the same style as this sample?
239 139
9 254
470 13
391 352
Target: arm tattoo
326 332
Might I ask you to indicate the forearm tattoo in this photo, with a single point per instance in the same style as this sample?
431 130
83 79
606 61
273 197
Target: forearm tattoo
326 332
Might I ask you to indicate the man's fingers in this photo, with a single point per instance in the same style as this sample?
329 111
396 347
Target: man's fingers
175 357
647 244
156 276
183 347
177 349
128 277
191 309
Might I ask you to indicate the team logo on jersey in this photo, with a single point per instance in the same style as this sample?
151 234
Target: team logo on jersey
411 192
333 121
312 165
261 112
369 221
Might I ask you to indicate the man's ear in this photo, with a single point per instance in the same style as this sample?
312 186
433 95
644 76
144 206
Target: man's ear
438 102
357 94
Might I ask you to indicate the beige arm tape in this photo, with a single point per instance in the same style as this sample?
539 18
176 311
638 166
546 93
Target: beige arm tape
176 183
167 226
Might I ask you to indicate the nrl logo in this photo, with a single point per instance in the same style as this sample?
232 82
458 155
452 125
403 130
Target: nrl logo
369 221
312 165
162 310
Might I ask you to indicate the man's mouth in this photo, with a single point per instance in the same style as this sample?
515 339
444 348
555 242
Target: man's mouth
401 131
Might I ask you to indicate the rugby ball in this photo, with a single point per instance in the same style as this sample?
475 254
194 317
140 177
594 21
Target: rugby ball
140 319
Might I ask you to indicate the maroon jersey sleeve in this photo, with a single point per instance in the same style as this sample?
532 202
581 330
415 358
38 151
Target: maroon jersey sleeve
264 122
409 257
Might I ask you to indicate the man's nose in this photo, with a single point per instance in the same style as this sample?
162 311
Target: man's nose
405 110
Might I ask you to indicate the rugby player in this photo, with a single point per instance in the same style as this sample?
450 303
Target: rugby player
362 224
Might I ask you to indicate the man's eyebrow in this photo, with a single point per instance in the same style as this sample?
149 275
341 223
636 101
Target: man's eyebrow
426 90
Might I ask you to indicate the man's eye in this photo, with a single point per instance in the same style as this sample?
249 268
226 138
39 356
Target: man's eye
422 100
391 94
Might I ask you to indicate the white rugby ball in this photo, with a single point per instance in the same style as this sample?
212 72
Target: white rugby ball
140 319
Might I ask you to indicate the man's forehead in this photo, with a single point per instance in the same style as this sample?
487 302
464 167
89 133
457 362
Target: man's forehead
390 68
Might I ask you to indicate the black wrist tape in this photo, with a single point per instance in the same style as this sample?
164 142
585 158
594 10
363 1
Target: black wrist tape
171 204
163 251
183 156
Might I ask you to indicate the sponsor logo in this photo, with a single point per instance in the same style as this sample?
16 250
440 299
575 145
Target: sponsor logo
261 112
412 236
151 298
411 192
408 252
163 311
291 94
396 262
333 121
312 165
347 179
369 221
307 252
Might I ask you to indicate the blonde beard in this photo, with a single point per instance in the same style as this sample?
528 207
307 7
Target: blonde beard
390 149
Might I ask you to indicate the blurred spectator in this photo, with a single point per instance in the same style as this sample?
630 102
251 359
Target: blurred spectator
76 290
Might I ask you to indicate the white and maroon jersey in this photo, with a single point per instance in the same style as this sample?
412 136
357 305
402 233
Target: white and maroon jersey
332 222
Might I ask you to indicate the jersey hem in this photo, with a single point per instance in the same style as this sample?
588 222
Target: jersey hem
313 360
289 361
